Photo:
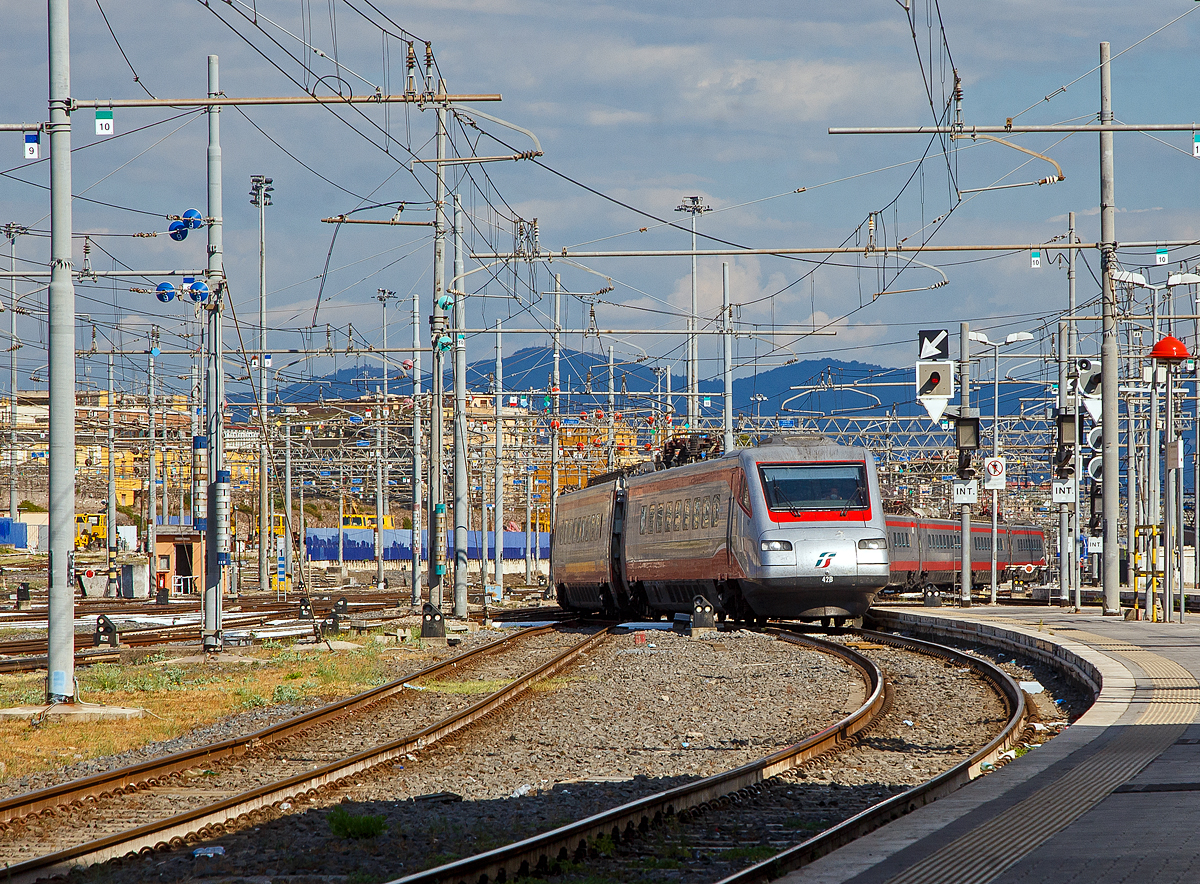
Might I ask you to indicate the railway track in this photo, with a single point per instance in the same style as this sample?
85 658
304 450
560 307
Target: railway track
230 783
713 797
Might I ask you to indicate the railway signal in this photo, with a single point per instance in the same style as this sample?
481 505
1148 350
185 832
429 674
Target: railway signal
935 386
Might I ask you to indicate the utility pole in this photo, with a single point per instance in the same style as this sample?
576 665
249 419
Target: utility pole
60 686
1109 355
437 506
727 358
692 205
12 231
1065 545
555 393
964 386
461 505
379 504
499 484
612 403
110 533
383 296
218 504
417 468
342 510
260 196
528 524
152 472
287 505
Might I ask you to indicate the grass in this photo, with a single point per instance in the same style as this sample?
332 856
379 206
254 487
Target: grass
179 698
345 824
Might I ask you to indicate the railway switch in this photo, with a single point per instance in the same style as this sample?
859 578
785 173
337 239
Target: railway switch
106 633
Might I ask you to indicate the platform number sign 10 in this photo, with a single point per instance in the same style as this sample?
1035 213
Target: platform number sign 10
1035 259
1196 144
1160 255
104 122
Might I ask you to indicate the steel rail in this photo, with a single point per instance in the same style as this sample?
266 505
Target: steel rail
133 637
146 772
918 796
240 809
204 822
538 853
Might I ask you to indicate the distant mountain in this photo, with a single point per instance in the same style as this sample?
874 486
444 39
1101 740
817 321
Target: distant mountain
838 387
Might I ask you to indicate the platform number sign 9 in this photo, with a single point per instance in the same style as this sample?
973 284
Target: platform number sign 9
33 145
104 122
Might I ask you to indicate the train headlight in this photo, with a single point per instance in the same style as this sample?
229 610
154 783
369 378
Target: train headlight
872 543
775 545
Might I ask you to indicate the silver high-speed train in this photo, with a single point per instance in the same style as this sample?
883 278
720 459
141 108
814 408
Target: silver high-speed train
793 528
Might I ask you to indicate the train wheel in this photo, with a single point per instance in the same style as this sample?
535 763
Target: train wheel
839 622
826 622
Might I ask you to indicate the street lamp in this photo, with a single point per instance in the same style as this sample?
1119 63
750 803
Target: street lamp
981 338
693 206
260 197
758 399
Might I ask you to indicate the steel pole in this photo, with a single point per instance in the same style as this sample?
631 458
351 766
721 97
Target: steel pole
386 412
287 506
727 357
461 504
110 533
1064 531
152 479
528 527
1109 356
218 505
498 490
555 437
692 385
13 503
60 684
965 510
418 469
612 403
265 534
437 563
379 505
995 453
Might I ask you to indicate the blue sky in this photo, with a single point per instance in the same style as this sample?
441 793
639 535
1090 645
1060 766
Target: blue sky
646 103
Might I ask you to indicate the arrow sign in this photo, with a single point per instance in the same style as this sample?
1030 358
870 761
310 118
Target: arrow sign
933 344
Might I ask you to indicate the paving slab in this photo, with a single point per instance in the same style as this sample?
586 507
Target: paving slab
1114 798
71 712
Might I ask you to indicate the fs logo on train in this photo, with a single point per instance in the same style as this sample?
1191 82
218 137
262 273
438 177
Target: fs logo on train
825 559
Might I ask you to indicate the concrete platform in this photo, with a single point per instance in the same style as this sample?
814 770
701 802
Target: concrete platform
1114 798
71 712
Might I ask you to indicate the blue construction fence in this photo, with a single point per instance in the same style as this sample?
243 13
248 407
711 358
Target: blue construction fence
16 534
358 544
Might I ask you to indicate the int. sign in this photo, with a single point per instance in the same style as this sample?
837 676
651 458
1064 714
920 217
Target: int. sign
965 491
1062 491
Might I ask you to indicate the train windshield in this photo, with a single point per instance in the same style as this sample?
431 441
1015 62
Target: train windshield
815 486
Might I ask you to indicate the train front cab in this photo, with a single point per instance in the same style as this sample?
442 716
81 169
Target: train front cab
818 547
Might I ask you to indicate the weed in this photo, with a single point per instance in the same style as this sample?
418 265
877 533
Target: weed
345 824
249 699
292 676
603 844
285 693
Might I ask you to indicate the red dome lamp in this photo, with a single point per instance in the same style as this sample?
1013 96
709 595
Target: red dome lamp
1169 349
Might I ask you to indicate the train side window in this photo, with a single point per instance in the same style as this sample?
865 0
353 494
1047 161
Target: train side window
704 516
687 514
678 510
696 513
667 518
658 519
716 510
642 523
744 492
